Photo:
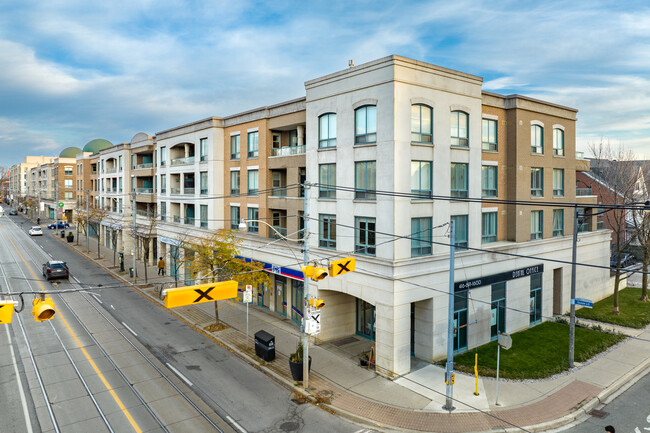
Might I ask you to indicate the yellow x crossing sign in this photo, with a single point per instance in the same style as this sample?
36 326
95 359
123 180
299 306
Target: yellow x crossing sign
190 295
342 266
6 311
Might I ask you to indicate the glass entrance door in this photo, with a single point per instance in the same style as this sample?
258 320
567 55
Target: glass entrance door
297 300
264 296
498 310
280 295
460 321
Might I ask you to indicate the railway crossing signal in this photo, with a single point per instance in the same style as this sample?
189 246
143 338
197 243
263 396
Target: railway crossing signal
6 311
342 266
190 295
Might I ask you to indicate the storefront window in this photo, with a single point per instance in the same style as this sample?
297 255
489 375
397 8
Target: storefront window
460 321
365 319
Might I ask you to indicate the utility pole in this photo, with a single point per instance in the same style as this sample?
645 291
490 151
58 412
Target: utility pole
56 200
572 320
305 249
135 238
449 402
87 227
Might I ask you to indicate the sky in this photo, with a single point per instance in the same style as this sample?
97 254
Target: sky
72 71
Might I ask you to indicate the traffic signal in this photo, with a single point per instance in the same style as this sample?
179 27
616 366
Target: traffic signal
316 303
342 266
43 309
319 274
308 271
6 311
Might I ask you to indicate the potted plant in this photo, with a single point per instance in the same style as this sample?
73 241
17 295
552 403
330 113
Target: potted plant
70 237
295 363
364 358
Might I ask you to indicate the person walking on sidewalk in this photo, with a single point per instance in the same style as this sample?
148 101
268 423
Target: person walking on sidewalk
161 266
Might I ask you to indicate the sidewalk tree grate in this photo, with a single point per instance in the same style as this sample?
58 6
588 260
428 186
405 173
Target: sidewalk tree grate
598 413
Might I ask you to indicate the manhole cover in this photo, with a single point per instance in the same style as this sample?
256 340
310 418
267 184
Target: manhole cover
598 413
289 426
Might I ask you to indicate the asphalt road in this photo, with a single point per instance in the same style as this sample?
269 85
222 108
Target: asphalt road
238 393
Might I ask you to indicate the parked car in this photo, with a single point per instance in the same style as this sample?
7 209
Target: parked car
627 259
58 225
55 269
36 231
13 212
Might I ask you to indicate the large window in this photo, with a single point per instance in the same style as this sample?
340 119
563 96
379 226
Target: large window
489 227
364 236
203 149
163 210
234 183
253 144
558 222
460 321
204 182
421 178
253 182
253 217
421 123
489 180
69 183
234 217
558 142
535 299
558 182
537 139
203 214
460 231
68 170
327 131
459 129
234 147
327 231
459 182
163 155
537 182
327 181
365 121
365 180
420 236
489 135
163 183
536 224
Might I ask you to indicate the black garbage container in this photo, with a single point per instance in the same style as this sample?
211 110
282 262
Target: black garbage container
265 345
62 233
131 272
120 260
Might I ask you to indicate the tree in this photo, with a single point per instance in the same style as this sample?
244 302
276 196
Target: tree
80 220
216 258
97 215
146 232
642 233
612 165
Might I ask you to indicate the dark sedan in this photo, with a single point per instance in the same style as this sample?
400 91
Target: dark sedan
58 225
55 269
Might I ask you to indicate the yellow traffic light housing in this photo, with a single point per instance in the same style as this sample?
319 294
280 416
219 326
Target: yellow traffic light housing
6 311
319 274
43 309
308 271
316 303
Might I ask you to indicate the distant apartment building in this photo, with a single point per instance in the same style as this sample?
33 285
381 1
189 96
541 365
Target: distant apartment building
18 174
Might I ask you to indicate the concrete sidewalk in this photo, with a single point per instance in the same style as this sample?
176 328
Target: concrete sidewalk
414 401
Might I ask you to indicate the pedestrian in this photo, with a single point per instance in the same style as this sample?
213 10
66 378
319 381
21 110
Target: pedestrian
610 429
161 266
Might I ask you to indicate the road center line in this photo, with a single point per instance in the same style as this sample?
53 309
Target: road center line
130 330
112 306
179 374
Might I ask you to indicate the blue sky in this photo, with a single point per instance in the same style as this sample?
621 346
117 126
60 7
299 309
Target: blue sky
73 71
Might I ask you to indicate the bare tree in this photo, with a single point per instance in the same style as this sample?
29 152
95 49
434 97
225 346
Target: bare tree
113 220
613 166
642 234
80 220
146 232
97 215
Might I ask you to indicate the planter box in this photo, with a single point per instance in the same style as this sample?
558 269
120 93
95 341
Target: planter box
296 369
70 238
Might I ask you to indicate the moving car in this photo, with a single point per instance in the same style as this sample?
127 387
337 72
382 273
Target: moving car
58 225
36 231
627 259
55 269
13 212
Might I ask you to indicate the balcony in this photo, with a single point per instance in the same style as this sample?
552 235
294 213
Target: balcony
182 161
175 191
583 191
188 191
144 213
176 218
145 165
144 190
189 221
289 150
110 170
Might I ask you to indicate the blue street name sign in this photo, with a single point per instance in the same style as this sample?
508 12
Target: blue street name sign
583 302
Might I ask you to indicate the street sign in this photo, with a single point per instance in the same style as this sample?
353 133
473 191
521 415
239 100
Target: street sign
505 341
6 311
582 302
190 295
248 294
342 266
313 321
61 204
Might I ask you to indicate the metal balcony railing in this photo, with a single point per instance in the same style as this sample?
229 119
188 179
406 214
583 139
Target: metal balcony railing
583 191
289 150
175 191
189 221
182 161
188 191
145 165
144 213
176 218
144 190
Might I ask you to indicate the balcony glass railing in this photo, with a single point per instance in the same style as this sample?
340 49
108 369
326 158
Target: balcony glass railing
144 213
182 161
189 221
289 150
583 191
145 165
176 218
110 170
279 192
174 191
188 191
281 230
144 190
204 224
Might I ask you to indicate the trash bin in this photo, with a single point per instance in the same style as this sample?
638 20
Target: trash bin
265 346
131 272
62 233
120 259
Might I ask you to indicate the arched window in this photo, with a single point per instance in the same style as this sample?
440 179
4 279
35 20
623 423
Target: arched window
459 129
421 123
537 139
558 142
327 130
365 121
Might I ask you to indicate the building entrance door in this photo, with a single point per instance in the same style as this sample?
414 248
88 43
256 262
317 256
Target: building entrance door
280 295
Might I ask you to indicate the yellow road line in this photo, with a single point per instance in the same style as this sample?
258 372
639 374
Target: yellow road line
83 349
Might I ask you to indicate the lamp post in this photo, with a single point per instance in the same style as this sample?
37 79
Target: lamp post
450 325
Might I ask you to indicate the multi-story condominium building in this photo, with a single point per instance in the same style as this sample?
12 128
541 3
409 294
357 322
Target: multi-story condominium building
114 178
87 174
18 178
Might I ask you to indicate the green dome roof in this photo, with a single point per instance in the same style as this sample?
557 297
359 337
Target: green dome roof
69 152
96 145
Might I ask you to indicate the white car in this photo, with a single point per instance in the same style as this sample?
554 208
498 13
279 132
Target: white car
36 231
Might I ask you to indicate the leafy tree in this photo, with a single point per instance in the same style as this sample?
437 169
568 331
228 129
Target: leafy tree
215 258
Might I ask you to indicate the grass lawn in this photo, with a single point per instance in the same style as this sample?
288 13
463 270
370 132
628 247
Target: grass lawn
634 313
538 352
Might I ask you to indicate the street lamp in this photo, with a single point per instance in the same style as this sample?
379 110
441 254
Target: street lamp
574 253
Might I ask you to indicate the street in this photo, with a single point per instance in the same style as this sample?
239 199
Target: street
111 360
